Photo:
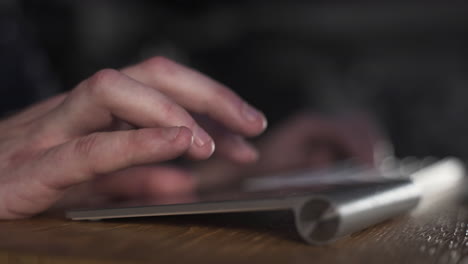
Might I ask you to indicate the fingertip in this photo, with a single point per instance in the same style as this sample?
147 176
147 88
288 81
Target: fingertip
244 155
257 126
177 140
251 157
185 134
184 137
212 148
264 123
237 149
204 152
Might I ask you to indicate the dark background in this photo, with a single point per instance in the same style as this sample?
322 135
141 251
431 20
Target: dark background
404 63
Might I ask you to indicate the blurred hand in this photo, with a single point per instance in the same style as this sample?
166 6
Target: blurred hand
107 130
302 141
308 140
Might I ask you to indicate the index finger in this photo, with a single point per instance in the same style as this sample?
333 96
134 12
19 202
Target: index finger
200 94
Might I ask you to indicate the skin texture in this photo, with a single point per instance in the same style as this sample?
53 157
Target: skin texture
105 136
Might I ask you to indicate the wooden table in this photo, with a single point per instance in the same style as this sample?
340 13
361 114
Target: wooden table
436 233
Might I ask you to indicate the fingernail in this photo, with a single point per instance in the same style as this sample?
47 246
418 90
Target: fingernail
171 133
251 114
201 137
264 123
213 147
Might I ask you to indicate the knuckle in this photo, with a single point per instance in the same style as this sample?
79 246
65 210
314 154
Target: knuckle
168 109
137 139
174 113
102 81
84 146
220 94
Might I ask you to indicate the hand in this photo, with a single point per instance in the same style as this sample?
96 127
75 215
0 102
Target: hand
308 140
115 123
304 140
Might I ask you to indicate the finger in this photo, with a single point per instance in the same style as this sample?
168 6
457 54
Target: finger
235 148
229 145
200 94
95 103
146 182
84 158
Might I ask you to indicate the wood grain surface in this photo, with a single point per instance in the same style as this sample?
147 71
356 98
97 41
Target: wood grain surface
435 233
